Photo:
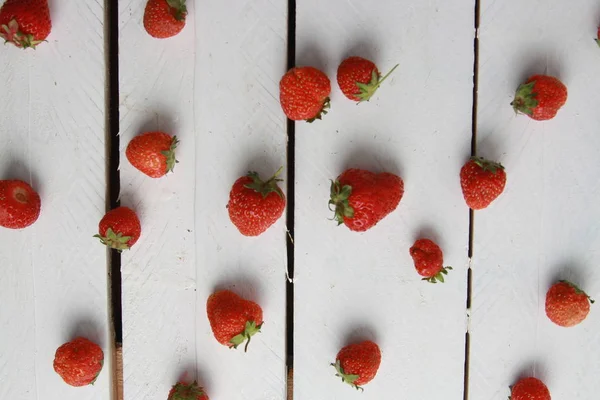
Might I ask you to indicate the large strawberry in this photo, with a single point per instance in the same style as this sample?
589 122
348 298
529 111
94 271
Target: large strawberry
429 260
79 362
233 320
359 78
153 153
362 198
187 391
482 181
19 204
566 304
254 205
529 389
304 94
25 23
540 97
164 18
357 364
119 229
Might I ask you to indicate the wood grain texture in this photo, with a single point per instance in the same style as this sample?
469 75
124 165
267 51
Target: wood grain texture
544 227
352 286
54 279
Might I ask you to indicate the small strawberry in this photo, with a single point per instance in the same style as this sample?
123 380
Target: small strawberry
359 78
357 364
187 391
429 260
153 153
25 23
233 319
304 94
540 97
254 205
164 18
529 389
362 198
566 304
119 228
19 204
79 362
482 181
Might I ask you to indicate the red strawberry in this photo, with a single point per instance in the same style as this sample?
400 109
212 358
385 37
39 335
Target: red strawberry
482 181
19 204
153 153
362 198
566 304
187 391
119 228
255 205
529 389
540 97
359 78
429 260
357 364
79 362
25 23
164 18
233 319
304 94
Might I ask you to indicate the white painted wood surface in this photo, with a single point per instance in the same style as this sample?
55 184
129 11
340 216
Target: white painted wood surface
544 227
53 283
352 286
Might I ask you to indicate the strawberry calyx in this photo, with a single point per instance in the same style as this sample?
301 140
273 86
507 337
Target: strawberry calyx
178 9
367 90
487 165
264 188
525 99
114 240
323 111
339 196
597 42
250 330
578 290
98 374
183 391
439 277
346 378
170 154
11 33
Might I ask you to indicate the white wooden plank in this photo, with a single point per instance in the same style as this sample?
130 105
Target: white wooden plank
544 227
54 281
351 286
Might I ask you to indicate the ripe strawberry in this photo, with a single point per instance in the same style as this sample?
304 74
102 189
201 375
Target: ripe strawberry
164 18
566 304
304 94
540 97
153 153
19 204
529 389
359 78
233 319
429 260
25 23
187 391
362 198
357 364
119 228
482 181
79 362
255 205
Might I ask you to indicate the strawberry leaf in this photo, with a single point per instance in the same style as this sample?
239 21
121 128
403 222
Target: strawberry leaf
114 240
323 111
525 100
264 188
367 90
346 378
250 330
170 155
339 199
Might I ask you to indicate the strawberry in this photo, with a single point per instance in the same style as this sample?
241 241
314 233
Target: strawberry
359 78
254 205
153 153
540 97
362 198
357 364
482 181
79 362
529 389
233 320
429 260
164 18
304 94
119 228
25 23
566 304
187 391
19 204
